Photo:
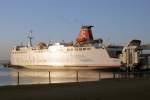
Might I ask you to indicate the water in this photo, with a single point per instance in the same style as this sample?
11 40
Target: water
9 76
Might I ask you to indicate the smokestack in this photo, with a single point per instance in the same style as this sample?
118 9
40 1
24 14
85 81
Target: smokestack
85 34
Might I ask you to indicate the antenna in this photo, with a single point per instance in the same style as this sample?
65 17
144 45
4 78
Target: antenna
30 38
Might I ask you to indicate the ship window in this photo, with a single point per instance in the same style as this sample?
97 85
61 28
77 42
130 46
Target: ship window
88 48
80 49
84 48
76 49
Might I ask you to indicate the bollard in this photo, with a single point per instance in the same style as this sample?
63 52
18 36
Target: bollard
18 79
49 77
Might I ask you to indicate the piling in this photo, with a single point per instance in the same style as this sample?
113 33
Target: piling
18 80
114 76
49 77
99 76
77 76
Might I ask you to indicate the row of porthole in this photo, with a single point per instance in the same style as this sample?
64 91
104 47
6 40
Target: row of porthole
68 49
30 61
18 52
26 52
77 49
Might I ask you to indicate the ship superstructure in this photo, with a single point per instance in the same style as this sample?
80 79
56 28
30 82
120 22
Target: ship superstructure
85 52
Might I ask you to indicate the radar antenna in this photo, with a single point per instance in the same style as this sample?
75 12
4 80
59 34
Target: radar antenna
30 38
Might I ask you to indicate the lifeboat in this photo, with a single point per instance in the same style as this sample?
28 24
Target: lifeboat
41 45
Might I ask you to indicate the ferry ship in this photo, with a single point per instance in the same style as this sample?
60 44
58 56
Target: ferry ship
86 52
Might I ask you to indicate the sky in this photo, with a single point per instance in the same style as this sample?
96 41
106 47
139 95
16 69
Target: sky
116 21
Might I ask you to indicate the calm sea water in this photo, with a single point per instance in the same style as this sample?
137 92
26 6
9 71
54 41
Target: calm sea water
9 76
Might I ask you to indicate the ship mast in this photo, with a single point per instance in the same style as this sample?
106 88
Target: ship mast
29 38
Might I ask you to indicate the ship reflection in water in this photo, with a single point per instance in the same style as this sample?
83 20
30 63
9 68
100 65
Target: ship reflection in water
9 76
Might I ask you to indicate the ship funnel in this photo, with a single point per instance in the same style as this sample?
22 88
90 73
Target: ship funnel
85 34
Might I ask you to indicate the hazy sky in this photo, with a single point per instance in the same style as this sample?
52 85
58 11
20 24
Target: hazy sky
115 21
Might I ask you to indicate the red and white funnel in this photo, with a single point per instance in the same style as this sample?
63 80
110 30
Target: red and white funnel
85 34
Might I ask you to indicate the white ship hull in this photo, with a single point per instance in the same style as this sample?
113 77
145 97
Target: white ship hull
60 56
